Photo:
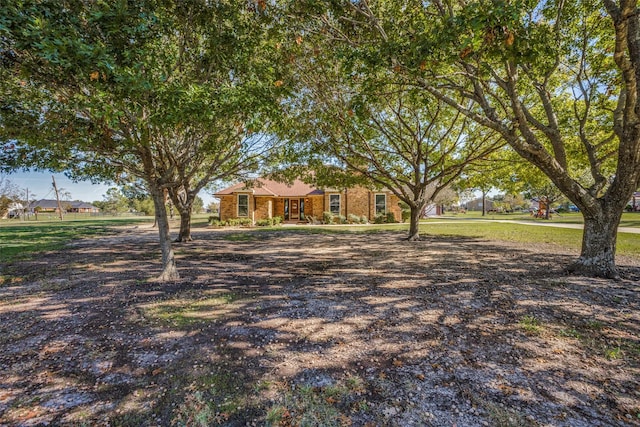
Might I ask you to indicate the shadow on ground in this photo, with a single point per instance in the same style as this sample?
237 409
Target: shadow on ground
296 328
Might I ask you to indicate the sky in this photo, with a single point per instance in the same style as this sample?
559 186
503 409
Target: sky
40 186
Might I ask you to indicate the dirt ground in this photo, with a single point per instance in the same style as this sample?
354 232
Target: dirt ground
295 328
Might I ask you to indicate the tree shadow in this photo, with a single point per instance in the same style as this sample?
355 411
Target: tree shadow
364 327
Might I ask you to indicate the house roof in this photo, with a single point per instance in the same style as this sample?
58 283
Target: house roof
44 204
53 204
267 187
82 205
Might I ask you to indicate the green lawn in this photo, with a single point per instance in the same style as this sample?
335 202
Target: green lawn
629 219
536 236
20 238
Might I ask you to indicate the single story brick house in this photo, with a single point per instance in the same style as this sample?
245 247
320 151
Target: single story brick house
48 205
82 207
264 198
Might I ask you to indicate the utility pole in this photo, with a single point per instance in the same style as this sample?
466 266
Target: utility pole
55 188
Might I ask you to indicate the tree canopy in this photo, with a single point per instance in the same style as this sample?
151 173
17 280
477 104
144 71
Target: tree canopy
156 91
161 91
557 81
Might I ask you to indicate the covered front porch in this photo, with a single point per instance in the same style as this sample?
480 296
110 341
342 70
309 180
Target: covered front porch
290 209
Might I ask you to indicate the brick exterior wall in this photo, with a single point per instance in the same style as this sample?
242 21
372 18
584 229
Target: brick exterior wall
278 207
360 201
393 205
357 201
227 207
314 207
262 208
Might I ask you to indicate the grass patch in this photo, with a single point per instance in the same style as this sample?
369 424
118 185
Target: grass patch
502 417
318 406
570 333
506 231
629 219
614 353
627 243
594 325
531 325
183 313
212 399
240 237
21 239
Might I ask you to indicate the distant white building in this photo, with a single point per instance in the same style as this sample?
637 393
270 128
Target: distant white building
14 211
432 210
635 201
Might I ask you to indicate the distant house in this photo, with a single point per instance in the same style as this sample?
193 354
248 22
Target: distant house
82 207
48 205
14 210
43 205
432 210
264 198
476 204
635 201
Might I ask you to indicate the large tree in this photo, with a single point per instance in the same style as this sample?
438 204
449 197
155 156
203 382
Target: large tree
224 152
113 90
388 134
391 137
557 80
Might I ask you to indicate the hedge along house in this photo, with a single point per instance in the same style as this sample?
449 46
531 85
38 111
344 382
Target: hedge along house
299 202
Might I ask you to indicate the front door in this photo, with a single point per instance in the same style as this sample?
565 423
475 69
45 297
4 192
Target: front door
295 209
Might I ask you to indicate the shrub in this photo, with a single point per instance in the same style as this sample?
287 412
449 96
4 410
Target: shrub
380 219
215 222
354 219
239 222
342 219
269 222
327 217
406 215
390 218
364 219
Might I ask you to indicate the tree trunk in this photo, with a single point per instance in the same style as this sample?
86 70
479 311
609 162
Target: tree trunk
597 257
169 268
183 201
185 226
547 208
414 223
484 198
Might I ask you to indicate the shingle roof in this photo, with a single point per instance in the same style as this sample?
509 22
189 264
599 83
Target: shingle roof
44 204
267 187
82 205
52 204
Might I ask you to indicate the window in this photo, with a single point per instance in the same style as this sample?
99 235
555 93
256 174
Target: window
334 204
243 205
381 204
